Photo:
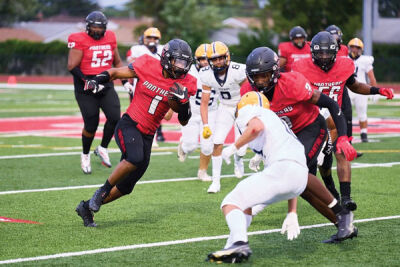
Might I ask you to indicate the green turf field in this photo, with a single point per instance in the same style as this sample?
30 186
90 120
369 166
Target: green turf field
172 223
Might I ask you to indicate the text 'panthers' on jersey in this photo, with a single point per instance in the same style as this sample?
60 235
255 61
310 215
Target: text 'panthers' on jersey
363 66
227 87
330 83
292 53
150 102
98 55
195 100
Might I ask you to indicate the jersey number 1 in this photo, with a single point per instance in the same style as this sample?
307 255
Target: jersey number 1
102 60
154 104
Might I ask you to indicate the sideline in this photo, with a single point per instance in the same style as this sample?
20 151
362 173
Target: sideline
174 242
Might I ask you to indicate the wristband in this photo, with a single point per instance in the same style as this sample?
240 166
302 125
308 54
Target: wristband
374 90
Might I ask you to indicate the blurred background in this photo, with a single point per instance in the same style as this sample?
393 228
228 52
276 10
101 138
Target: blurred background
33 33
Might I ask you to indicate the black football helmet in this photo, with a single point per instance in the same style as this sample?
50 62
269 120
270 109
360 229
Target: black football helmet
323 50
336 32
262 60
96 18
176 58
298 32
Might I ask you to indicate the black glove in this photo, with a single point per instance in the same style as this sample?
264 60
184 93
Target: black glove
179 93
93 85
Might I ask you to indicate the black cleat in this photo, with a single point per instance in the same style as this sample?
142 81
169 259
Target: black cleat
359 155
97 199
85 214
346 228
160 138
349 204
364 138
334 239
238 252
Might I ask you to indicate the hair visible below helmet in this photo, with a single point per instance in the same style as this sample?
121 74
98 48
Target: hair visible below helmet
201 53
218 49
262 60
176 58
323 50
336 32
298 32
253 98
96 18
357 43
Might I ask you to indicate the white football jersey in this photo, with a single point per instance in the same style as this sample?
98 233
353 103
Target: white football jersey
277 142
229 88
140 50
363 65
195 100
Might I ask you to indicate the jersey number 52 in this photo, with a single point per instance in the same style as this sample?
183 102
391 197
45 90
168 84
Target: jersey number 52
101 58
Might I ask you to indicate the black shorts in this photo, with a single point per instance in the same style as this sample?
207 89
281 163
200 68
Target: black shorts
90 105
135 148
313 137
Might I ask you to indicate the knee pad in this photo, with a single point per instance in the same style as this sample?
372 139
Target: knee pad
242 151
189 147
207 149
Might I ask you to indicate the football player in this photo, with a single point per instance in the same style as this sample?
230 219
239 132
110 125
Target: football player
284 177
364 68
226 78
151 46
90 53
192 131
295 102
134 133
298 47
329 74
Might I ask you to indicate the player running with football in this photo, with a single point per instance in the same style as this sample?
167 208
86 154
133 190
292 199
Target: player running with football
193 130
135 131
297 48
329 74
284 177
225 77
90 53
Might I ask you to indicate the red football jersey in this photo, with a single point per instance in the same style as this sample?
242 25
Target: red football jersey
98 55
150 101
330 83
292 53
343 51
289 101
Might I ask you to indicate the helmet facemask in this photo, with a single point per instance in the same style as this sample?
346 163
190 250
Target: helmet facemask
219 69
95 21
263 81
324 55
355 51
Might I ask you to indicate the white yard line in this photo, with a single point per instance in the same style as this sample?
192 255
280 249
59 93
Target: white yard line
173 242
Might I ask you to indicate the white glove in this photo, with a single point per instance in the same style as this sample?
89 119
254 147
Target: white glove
129 87
291 226
227 152
254 163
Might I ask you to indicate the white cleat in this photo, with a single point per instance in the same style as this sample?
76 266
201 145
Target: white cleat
85 163
215 187
102 153
181 155
239 167
203 176
154 144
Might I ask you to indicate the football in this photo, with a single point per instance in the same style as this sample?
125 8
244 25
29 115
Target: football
173 104
173 100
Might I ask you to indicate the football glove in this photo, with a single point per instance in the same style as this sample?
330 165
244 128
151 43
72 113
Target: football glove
227 152
388 92
206 131
128 87
178 93
291 226
254 163
93 85
343 146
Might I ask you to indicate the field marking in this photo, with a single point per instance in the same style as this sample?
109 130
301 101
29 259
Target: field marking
174 242
353 166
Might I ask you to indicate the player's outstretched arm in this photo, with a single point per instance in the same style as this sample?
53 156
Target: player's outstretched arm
365 89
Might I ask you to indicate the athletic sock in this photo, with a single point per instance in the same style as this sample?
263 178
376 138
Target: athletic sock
107 186
86 143
330 184
236 221
345 189
216 168
335 206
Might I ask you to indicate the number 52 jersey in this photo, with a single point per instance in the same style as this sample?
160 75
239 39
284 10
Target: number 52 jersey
227 88
98 55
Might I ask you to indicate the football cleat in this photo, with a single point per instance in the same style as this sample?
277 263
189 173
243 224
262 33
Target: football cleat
349 204
346 228
181 155
238 252
203 176
359 155
334 239
97 199
364 138
239 167
154 144
215 187
102 153
85 214
85 163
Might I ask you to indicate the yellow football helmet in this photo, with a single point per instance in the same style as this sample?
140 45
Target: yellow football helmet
218 49
201 53
253 98
152 32
357 43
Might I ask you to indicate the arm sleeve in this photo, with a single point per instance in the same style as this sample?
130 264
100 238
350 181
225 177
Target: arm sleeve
325 101
351 80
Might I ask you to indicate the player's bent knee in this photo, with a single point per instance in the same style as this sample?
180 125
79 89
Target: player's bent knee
207 150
